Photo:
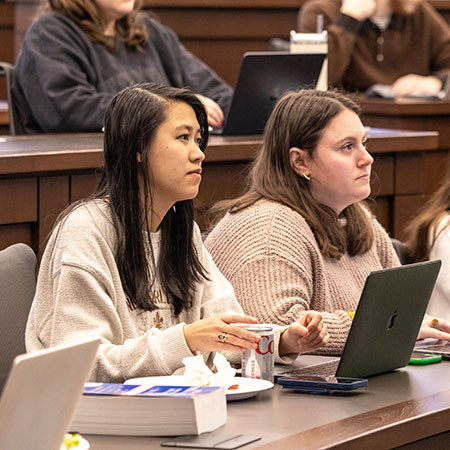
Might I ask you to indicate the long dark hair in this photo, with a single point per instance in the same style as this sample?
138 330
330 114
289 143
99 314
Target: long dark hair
131 122
299 120
87 15
421 232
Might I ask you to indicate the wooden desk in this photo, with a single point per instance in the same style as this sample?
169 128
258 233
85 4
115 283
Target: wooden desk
414 114
41 175
409 407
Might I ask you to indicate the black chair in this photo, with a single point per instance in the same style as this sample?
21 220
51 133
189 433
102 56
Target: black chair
401 250
17 288
15 127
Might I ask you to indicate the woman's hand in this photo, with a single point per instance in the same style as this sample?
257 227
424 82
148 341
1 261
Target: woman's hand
216 333
304 335
358 9
416 85
214 111
434 328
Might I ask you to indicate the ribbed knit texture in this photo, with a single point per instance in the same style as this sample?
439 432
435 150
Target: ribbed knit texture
270 256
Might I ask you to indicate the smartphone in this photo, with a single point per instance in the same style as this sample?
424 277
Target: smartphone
424 358
312 383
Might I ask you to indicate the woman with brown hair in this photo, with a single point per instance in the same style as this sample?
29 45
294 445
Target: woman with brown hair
402 43
300 239
79 54
429 238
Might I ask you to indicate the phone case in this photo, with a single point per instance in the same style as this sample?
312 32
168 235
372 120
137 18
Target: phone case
424 359
308 385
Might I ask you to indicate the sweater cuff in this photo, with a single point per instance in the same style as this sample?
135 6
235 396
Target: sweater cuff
285 359
174 347
348 23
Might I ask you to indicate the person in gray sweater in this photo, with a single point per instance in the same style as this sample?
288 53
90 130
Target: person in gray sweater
129 264
78 55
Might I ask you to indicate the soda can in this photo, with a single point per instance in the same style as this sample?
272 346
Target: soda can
259 362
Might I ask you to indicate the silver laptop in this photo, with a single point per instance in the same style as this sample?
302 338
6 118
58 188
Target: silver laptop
386 323
434 347
263 78
41 393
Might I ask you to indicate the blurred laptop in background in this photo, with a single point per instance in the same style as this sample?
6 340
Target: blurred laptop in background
41 394
263 78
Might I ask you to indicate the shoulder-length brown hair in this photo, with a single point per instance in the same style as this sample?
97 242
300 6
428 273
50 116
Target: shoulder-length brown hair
87 15
299 120
421 232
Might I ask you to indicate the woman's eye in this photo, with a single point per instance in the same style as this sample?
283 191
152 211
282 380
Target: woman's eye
199 141
348 146
184 137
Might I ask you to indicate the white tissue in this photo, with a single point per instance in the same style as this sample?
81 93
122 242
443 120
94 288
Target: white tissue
198 374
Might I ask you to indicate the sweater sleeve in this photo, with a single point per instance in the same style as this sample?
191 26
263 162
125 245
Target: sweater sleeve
439 43
185 69
440 300
79 293
219 298
275 290
342 35
83 306
55 81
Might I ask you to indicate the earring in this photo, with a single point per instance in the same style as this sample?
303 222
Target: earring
306 177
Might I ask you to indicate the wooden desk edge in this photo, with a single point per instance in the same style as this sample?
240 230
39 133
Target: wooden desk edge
219 150
388 427
407 107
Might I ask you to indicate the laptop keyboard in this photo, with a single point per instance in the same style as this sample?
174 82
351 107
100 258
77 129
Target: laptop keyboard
444 347
325 369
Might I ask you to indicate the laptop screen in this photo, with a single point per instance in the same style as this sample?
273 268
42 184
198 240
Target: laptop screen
264 77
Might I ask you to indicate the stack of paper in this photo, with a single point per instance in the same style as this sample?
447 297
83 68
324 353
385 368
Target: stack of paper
119 409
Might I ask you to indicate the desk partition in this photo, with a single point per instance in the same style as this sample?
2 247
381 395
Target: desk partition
415 114
41 175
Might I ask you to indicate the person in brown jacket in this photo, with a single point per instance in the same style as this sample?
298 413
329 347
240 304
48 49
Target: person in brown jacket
402 43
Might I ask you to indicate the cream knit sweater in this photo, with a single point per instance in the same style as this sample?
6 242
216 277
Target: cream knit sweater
79 294
270 256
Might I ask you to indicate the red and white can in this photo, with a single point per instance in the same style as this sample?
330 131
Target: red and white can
259 362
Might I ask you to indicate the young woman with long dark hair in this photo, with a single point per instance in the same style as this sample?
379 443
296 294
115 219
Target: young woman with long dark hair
129 264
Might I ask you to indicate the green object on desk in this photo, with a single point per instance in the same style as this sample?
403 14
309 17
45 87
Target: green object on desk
424 358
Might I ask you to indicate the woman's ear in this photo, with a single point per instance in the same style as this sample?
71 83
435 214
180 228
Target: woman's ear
299 161
139 157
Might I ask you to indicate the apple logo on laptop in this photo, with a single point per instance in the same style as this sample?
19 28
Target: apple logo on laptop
391 320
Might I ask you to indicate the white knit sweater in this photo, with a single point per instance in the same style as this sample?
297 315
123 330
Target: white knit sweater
79 293
269 254
439 305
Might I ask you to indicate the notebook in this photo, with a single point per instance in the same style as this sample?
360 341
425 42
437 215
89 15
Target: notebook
263 78
41 393
386 323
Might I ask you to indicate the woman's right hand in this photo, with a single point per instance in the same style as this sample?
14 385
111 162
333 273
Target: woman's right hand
217 333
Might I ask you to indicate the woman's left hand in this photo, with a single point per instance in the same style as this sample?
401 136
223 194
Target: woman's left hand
304 335
434 328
